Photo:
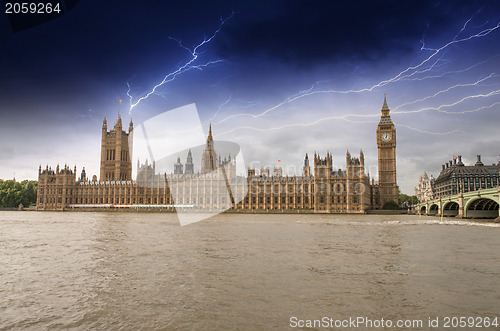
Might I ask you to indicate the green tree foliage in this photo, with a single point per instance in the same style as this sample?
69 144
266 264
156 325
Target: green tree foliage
411 199
391 205
14 193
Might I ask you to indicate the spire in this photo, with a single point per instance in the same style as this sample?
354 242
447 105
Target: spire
105 124
210 138
385 107
209 158
189 169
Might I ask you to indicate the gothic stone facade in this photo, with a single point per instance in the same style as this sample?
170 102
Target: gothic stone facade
425 189
217 186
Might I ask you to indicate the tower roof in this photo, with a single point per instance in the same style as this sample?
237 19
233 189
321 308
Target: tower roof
385 117
384 106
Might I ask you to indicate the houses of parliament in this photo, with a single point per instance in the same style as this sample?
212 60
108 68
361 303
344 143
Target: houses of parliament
217 186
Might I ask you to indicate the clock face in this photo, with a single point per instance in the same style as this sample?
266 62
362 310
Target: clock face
386 136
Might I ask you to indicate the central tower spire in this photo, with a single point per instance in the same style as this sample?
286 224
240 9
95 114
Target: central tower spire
209 159
210 138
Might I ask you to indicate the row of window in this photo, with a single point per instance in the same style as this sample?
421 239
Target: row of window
111 155
336 188
322 199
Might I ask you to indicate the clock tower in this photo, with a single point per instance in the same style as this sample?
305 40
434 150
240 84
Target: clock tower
386 143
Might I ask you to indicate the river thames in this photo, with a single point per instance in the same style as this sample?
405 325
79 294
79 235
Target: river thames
142 271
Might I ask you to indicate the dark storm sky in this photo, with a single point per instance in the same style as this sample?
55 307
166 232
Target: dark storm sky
59 79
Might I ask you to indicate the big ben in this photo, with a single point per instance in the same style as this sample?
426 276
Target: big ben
386 143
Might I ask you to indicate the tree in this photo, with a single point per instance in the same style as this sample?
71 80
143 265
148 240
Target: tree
392 205
13 193
28 195
402 198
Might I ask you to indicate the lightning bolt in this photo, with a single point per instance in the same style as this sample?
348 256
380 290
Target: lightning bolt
430 132
344 118
440 108
451 72
218 110
443 91
288 126
425 65
188 65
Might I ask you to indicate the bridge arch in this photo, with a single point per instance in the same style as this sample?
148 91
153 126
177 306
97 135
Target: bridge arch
423 210
481 208
450 208
433 209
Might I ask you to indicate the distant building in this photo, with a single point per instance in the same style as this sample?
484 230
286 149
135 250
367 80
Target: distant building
216 184
425 189
455 177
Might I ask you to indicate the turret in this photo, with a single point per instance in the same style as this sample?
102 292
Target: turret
104 124
178 168
478 162
329 159
189 167
306 169
118 125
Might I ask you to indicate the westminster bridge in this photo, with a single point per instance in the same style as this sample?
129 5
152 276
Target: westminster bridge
473 204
